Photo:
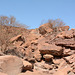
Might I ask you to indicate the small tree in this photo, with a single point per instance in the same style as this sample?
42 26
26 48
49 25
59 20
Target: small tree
11 21
4 20
56 24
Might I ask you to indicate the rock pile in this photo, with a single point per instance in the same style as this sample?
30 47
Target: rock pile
42 53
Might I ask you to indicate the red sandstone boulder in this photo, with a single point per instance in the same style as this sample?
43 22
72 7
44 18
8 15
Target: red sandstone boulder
63 69
61 35
10 65
43 67
69 43
41 41
45 28
69 34
37 55
51 49
26 45
13 50
26 65
48 57
18 40
67 52
15 38
70 59
29 55
66 34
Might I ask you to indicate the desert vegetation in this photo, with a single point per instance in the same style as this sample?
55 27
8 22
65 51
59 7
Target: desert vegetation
11 21
56 24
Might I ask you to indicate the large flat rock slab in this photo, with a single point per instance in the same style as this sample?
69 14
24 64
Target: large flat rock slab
69 43
51 49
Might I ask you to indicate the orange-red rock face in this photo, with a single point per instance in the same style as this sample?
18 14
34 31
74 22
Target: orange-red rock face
40 51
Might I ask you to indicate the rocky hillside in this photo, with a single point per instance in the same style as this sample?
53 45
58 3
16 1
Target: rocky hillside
41 51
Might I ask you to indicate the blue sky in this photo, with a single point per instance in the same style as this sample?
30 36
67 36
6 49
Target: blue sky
33 12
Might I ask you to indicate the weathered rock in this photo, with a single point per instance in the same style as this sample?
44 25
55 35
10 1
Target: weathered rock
69 43
56 46
1 53
26 45
13 50
48 57
47 66
29 55
73 32
67 52
18 43
42 30
63 69
37 55
73 70
35 42
45 28
63 64
2 73
20 52
32 60
43 67
34 48
69 34
15 38
3 47
64 28
60 72
33 73
26 65
57 61
32 37
71 73
41 41
70 59
66 34
61 35
51 72
51 49
10 65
